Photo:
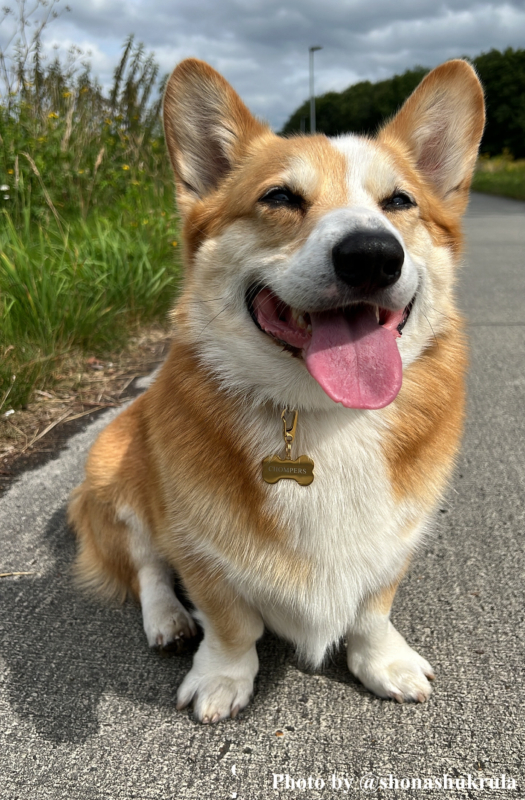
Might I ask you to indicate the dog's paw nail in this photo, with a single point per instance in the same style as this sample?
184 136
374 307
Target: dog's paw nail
235 711
420 697
398 698
216 717
206 720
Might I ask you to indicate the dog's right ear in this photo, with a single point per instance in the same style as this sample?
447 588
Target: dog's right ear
207 127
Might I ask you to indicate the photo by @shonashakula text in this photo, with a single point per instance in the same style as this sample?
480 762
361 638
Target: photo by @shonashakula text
346 784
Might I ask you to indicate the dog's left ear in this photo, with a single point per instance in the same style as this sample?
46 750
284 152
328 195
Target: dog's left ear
207 128
440 128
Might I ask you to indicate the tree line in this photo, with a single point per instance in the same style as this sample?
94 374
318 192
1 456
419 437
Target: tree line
363 107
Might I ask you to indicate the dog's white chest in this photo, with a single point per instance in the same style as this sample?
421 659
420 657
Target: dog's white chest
344 528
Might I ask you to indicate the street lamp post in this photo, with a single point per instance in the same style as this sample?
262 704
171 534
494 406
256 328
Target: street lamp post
311 51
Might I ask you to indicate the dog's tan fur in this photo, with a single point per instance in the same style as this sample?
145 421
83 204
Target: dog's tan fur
182 464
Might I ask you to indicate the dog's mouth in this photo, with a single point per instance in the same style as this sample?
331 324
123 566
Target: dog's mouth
351 352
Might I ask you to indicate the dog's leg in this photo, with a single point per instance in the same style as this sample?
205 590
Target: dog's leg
165 619
380 657
220 682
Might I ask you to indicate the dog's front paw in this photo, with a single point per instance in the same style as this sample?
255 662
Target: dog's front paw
214 698
392 669
218 684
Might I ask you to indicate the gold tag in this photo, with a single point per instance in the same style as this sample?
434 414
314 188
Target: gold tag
301 469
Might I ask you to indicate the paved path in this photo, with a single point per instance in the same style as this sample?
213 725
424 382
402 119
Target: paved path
87 711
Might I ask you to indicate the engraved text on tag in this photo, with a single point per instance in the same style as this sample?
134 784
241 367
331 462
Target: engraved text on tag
300 469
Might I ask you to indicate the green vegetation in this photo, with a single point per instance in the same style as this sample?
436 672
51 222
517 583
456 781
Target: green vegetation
88 231
501 175
503 78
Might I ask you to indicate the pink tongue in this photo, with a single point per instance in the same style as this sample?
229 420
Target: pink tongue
355 361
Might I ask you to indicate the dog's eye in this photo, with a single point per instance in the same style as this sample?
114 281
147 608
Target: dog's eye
281 196
398 201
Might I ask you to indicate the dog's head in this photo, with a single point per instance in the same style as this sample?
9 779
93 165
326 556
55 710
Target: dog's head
316 268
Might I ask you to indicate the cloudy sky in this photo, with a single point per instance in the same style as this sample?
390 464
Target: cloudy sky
261 46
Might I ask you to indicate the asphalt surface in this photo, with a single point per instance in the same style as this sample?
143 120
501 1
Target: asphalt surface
88 712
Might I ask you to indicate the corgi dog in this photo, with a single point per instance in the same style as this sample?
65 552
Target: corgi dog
317 315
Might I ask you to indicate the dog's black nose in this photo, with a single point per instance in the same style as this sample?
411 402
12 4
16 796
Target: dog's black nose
368 260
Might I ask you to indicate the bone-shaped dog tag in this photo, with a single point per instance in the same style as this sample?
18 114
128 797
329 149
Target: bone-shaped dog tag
299 469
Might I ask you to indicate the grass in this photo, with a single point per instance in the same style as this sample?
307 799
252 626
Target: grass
83 285
88 229
501 175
